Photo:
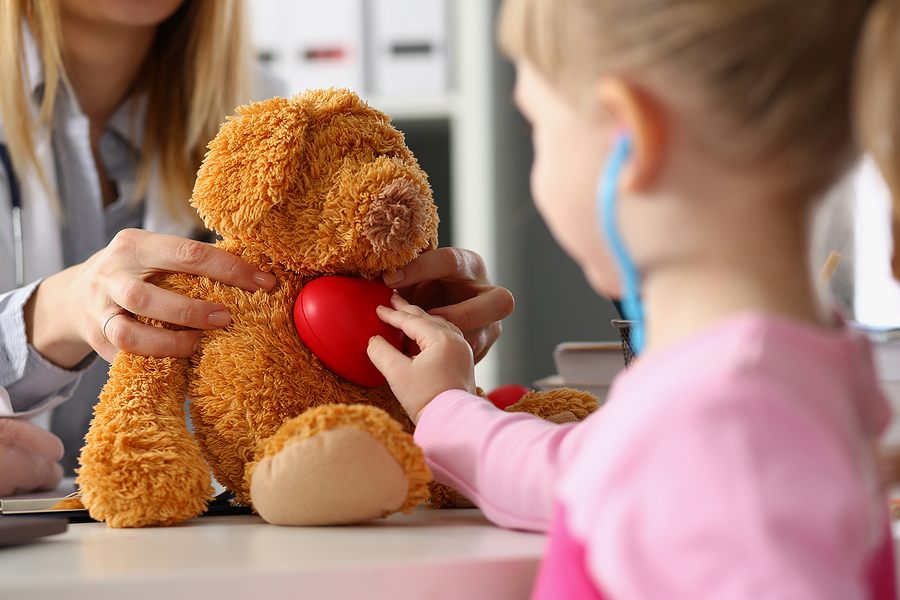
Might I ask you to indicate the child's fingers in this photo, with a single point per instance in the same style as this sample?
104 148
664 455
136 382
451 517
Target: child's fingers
417 327
398 302
384 356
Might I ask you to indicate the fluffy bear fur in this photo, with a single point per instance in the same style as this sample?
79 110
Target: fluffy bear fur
315 185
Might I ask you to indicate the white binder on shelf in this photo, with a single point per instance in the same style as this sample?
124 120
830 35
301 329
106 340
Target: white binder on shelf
408 46
270 33
312 44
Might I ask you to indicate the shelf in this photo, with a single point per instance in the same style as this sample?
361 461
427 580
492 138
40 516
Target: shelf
414 107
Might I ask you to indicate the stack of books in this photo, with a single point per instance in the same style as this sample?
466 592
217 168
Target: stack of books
586 366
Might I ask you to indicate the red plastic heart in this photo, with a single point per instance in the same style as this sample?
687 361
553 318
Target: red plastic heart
335 317
507 395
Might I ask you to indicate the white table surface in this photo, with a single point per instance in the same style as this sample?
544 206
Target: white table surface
431 553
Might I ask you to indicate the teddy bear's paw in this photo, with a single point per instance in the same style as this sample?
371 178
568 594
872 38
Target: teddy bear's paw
566 416
338 464
443 496
562 405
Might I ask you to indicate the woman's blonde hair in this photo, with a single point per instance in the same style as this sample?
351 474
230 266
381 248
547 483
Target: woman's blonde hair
196 73
777 78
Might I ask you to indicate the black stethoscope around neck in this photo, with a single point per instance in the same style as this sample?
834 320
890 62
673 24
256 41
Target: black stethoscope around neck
15 196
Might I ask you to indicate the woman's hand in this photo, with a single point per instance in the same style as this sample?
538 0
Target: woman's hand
28 456
88 306
444 359
453 283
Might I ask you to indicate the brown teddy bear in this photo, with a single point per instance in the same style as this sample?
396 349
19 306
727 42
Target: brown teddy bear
318 185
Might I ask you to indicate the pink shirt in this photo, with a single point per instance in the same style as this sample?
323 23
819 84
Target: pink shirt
738 465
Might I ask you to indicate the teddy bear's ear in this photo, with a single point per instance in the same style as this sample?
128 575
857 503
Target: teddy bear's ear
247 169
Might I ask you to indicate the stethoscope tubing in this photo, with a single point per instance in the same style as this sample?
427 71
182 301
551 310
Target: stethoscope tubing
629 277
16 202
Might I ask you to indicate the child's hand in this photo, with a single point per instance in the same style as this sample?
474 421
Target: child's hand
443 362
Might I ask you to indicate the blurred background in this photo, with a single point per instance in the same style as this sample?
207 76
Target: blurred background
434 67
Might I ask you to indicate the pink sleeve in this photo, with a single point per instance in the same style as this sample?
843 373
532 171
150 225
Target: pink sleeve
506 463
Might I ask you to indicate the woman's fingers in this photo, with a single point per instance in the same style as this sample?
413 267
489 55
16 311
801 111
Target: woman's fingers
30 438
28 456
71 312
454 264
23 471
123 279
490 306
153 302
155 255
125 333
454 283
128 269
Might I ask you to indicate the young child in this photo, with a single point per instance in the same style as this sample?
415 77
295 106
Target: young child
680 147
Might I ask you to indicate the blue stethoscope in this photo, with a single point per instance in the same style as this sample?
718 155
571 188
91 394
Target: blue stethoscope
629 277
16 200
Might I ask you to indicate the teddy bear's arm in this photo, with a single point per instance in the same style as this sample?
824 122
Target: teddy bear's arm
561 405
141 466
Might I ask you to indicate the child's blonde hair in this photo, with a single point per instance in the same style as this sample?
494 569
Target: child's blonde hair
779 81
194 77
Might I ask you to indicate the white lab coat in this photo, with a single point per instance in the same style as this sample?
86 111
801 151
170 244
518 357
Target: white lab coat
42 226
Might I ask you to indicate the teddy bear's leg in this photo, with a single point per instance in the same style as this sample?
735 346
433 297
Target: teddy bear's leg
338 464
141 466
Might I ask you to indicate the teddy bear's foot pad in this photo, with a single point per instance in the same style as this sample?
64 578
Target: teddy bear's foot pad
336 477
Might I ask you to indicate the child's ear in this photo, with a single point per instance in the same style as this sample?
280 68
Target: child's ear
642 120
